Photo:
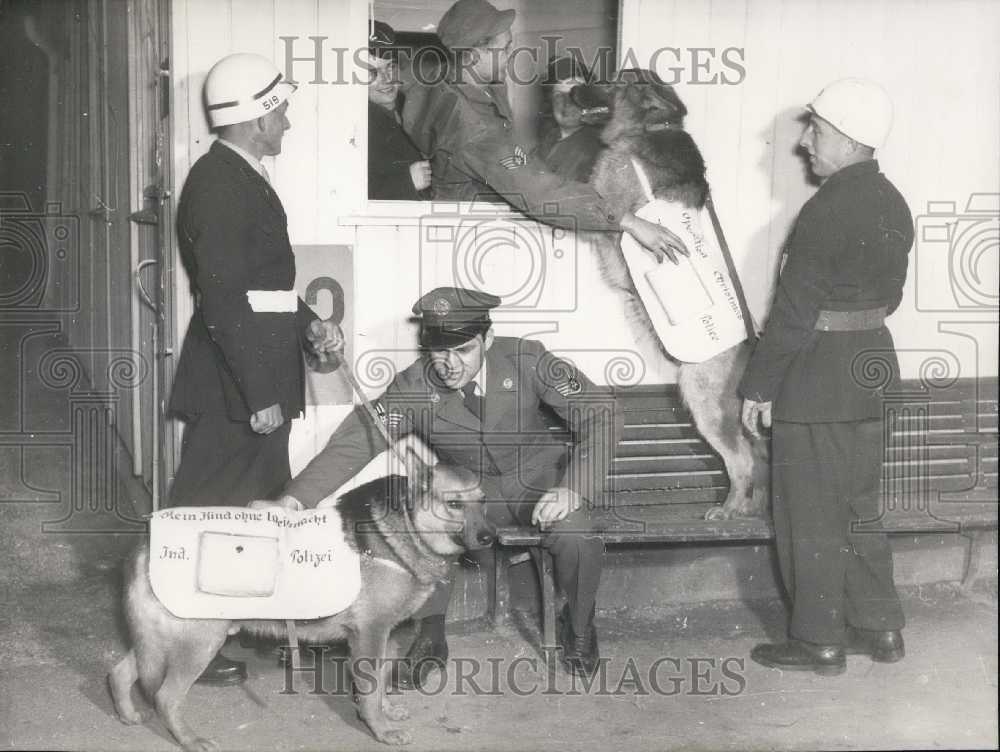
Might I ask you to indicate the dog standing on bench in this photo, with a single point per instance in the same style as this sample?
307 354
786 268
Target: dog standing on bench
645 119
440 508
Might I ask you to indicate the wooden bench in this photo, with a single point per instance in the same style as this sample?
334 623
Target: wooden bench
939 476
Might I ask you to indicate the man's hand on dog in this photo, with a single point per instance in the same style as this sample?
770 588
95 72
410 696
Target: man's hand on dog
267 420
325 345
751 411
288 502
655 238
556 504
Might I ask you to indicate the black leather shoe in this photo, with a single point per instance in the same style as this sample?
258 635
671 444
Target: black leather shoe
223 672
580 654
424 655
796 655
884 646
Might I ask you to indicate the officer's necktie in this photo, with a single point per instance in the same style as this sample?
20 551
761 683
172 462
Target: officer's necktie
473 402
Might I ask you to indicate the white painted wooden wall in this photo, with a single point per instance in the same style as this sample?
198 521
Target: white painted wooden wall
940 60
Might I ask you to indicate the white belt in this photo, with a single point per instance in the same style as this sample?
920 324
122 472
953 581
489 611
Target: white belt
273 301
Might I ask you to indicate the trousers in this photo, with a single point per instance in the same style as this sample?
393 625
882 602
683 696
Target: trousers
837 571
577 554
224 463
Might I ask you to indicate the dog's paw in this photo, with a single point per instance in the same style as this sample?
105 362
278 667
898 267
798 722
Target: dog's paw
395 712
133 717
396 737
201 744
716 514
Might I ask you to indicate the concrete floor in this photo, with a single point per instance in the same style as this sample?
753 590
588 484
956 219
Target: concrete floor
61 632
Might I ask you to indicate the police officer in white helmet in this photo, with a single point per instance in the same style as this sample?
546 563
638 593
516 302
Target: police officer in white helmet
240 378
810 380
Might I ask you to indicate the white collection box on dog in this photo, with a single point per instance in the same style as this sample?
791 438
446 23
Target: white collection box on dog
239 563
693 305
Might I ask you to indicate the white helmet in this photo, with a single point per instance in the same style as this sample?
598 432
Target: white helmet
242 87
857 108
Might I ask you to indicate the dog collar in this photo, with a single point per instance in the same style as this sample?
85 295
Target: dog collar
651 127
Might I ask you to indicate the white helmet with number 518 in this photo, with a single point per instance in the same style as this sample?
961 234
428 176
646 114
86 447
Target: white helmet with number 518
857 108
243 86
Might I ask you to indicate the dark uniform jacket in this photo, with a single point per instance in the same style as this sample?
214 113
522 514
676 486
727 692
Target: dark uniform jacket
467 132
520 448
847 252
572 157
390 154
233 236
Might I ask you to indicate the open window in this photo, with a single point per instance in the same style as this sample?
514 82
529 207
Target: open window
586 30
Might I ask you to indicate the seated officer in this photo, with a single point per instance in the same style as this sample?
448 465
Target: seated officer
464 123
498 406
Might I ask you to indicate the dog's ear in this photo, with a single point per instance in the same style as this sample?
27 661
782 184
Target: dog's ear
655 99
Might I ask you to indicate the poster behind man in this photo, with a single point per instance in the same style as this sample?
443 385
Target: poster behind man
325 280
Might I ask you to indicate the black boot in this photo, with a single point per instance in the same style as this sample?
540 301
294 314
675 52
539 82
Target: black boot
580 653
223 672
796 655
884 646
428 651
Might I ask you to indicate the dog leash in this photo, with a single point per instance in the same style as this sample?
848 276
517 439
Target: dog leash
348 374
352 381
345 369
731 268
647 189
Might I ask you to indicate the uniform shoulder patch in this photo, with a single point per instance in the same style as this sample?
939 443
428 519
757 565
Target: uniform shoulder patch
393 419
517 158
568 387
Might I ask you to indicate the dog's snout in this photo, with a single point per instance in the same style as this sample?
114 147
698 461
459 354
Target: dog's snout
485 537
593 100
479 532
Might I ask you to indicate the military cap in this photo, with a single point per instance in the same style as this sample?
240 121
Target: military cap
451 316
565 68
469 21
381 38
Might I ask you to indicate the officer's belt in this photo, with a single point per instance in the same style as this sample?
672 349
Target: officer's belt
850 321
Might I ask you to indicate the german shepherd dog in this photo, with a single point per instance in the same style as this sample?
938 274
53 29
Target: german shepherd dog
441 508
643 120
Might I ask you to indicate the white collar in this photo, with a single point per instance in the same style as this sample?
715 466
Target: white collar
480 379
251 160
